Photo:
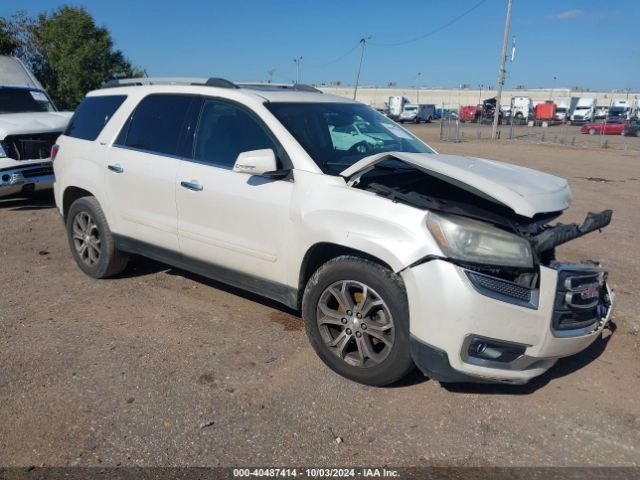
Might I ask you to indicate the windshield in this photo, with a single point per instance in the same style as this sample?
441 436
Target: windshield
23 100
410 109
337 135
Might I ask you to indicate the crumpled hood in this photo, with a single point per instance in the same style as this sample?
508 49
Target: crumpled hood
34 122
526 191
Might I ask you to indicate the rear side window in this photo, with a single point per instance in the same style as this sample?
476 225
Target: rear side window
157 123
92 115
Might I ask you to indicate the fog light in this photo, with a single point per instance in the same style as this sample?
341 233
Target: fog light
480 348
494 350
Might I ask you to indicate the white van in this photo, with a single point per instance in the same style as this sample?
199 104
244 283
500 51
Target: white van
417 113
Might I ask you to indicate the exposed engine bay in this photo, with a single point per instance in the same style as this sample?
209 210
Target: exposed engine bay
417 188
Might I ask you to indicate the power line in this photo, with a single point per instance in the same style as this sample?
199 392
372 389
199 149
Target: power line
335 60
432 32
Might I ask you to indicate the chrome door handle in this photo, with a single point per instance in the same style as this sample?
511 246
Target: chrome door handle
115 168
195 186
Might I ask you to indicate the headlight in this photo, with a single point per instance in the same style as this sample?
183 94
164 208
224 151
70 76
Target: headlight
468 240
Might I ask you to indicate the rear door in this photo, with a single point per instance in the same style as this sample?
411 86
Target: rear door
142 167
233 220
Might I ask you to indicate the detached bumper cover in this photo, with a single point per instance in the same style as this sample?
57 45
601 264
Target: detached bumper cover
468 331
34 176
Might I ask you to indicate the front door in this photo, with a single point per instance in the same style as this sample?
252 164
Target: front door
234 221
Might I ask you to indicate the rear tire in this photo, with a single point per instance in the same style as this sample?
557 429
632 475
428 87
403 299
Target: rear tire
90 240
356 316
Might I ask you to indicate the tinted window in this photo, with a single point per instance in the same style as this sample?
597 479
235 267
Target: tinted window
226 130
92 115
336 135
21 100
157 123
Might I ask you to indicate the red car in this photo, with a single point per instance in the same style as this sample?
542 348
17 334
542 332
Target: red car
611 127
469 113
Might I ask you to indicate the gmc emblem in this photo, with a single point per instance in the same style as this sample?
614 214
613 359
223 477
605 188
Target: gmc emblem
591 290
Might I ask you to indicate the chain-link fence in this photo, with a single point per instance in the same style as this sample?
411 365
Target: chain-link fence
601 134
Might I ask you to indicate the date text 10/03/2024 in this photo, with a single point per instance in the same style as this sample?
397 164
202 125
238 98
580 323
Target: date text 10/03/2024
315 472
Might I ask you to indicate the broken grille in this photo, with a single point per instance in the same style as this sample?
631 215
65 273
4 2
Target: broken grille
30 146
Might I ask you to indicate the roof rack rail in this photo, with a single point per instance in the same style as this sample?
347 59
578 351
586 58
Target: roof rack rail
210 82
219 82
299 87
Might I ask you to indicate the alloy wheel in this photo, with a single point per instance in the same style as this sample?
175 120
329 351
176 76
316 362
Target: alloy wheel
355 323
86 238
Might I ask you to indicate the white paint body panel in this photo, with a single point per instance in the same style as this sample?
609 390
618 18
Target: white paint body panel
265 227
522 189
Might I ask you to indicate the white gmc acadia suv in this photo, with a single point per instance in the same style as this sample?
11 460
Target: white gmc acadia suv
396 255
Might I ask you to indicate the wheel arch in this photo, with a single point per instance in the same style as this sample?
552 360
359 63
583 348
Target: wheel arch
320 253
70 195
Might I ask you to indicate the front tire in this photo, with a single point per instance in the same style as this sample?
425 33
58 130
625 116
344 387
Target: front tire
90 240
357 319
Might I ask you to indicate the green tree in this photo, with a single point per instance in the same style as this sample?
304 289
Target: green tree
66 51
76 55
8 43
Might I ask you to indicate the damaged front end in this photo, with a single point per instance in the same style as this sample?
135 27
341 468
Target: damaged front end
492 304
505 256
25 163
514 202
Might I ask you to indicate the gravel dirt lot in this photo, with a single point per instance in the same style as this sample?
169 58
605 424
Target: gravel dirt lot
160 367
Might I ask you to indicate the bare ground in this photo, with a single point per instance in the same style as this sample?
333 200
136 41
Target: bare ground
161 367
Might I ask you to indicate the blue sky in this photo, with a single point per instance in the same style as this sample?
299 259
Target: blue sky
588 43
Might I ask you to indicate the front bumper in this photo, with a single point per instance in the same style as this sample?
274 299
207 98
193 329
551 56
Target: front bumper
30 177
455 313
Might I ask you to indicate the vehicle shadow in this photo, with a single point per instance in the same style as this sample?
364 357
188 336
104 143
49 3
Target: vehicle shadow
26 202
564 366
139 266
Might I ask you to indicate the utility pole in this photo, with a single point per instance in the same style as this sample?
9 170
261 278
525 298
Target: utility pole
297 61
501 73
363 42
418 88
270 73
480 94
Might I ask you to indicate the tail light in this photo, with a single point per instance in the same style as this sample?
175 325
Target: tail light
55 148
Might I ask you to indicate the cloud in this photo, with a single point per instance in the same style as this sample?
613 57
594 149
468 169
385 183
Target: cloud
568 14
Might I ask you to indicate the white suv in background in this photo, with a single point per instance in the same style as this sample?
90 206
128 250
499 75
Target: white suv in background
395 255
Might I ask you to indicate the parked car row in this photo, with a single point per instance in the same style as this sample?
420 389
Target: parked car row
574 110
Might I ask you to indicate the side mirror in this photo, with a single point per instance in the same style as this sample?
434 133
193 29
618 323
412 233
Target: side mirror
256 162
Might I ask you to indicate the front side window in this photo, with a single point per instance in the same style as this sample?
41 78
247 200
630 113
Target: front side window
157 124
92 115
24 100
336 135
225 131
